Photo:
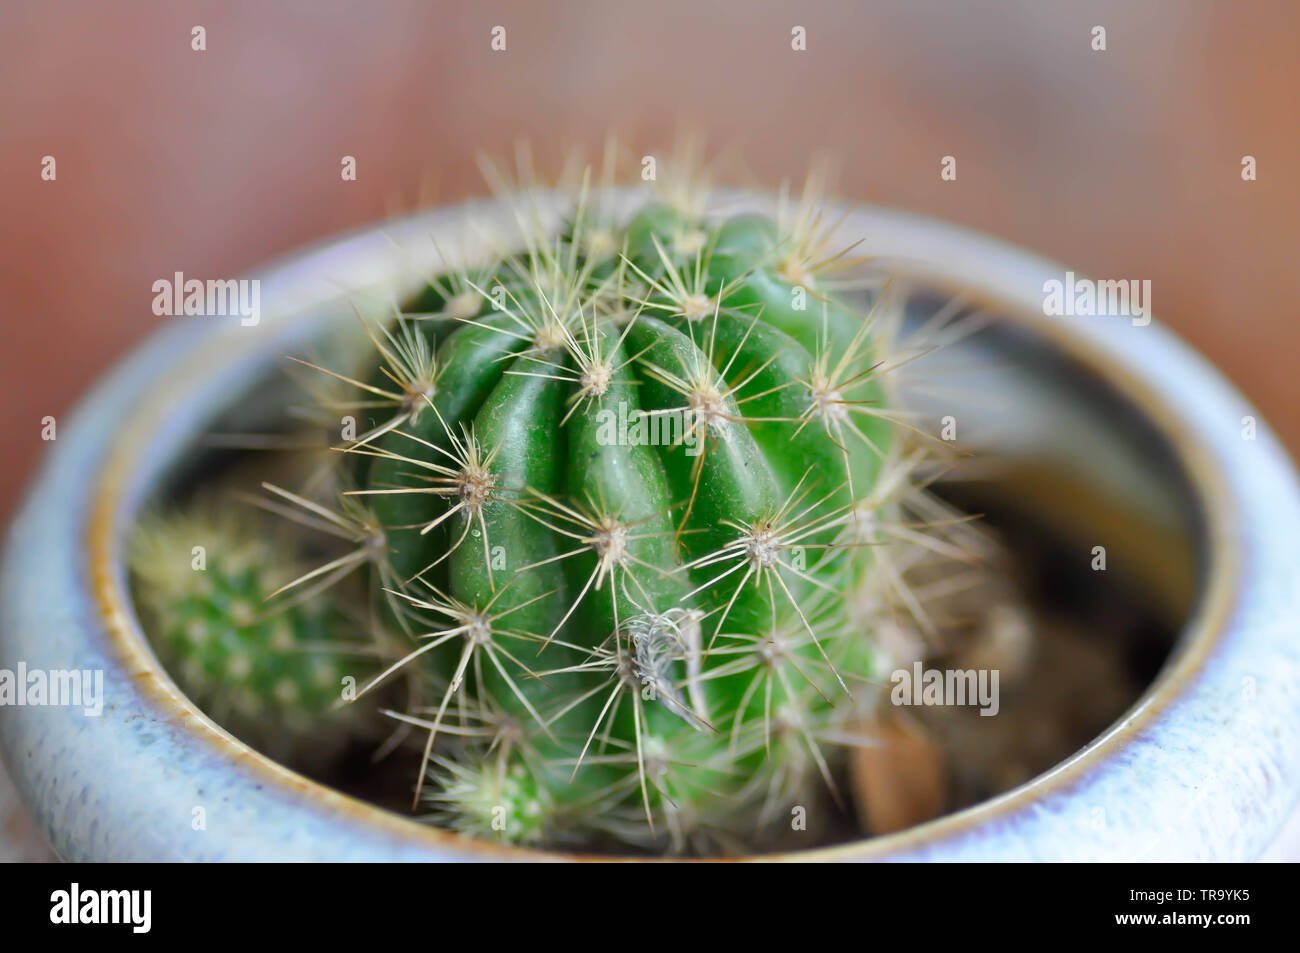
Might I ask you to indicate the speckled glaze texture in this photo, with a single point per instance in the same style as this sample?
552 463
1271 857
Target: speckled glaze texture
1205 767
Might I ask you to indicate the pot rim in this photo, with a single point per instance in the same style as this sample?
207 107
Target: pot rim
1141 766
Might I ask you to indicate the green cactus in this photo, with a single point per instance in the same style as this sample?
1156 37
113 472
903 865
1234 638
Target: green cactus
624 500
273 673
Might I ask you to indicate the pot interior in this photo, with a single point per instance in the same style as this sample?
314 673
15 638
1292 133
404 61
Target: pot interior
1099 525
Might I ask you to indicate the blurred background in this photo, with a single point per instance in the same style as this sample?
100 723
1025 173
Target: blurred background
1124 163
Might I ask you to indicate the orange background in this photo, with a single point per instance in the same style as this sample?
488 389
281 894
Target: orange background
1123 164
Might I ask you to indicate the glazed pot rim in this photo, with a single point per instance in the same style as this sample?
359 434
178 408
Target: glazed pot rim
1251 585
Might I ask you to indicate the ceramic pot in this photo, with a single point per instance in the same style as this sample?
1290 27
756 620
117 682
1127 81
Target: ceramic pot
1204 766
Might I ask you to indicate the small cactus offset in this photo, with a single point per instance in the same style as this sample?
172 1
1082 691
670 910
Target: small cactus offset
623 496
272 673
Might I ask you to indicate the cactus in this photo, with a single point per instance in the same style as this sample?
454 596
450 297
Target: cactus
624 501
272 673
624 497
